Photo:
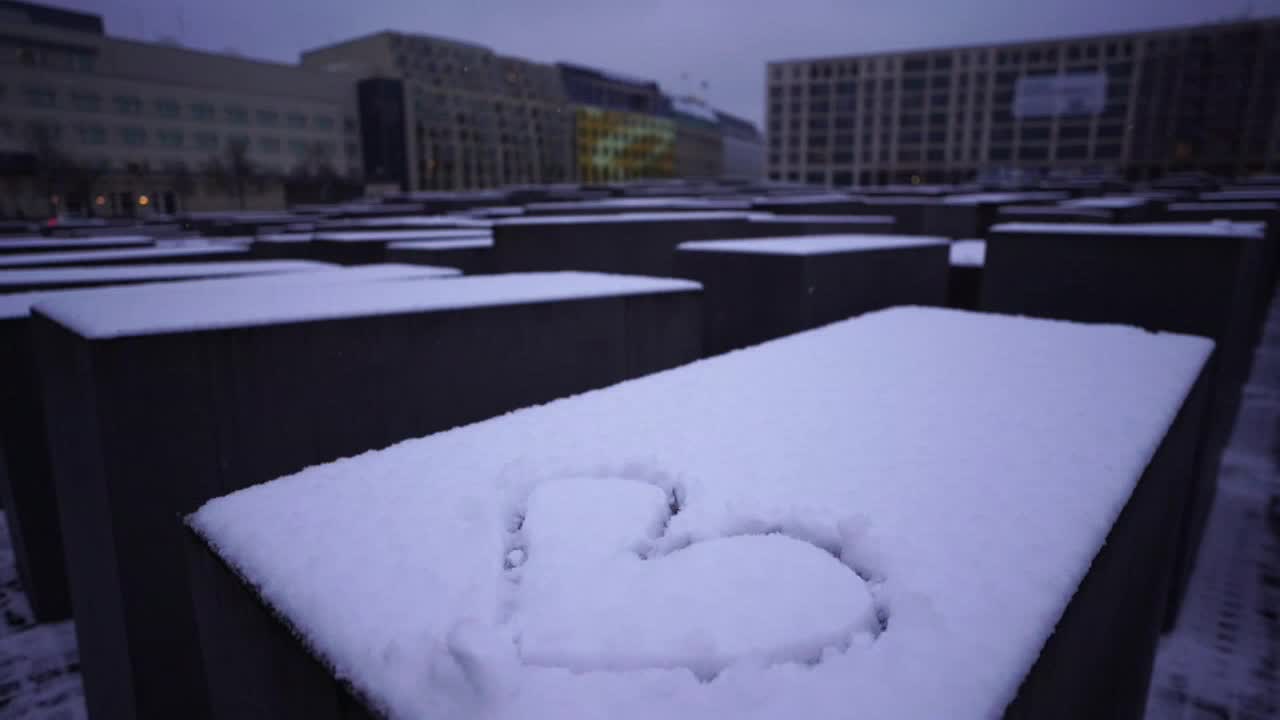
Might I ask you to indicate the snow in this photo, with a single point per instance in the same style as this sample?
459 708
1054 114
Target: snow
691 215
416 221
969 253
868 219
88 257
464 244
313 274
399 235
1260 194
1215 228
129 273
292 237
153 309
996 198
811 244
38 242
805 199
1105 203
965 467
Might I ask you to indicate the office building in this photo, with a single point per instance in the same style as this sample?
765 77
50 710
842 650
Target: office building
87 119
1137 104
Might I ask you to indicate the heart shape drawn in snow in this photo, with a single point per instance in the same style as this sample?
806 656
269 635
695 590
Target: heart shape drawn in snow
591 595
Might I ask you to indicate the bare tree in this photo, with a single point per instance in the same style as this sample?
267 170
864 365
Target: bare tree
182 182
315 174
234 170
52 166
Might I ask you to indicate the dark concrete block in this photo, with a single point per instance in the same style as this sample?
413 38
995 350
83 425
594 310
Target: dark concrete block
1097 663
640 244
40 279
471 256
369 247
1175 278
915 215
29 245
812 205
758 290
1052 214
148 420
26 483
131 256
790 225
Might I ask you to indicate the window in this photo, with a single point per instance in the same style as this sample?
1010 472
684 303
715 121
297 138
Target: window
1110 131
267 118
1073 132
269 145
1072 152
169 138
201 111
206 140
322 122
128 104
349 124
41 97
236 114
1107 151
93 135
1035 133
133 136
167 107
298 147
86 102
1032 152
296 120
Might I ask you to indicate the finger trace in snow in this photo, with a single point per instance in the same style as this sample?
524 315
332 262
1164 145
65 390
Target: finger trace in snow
968 467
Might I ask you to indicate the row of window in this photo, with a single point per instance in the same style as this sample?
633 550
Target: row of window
916 155
944 61
84 101
203 140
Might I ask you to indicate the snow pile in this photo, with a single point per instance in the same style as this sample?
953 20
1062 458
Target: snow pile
1106 203
152 309
36 242
477 243
399 235
1214 228
813 219
969 253
702 542
811 244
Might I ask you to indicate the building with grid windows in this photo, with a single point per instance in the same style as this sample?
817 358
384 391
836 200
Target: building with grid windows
89 121
1139 104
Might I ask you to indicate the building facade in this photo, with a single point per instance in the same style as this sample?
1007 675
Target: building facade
469 118
92 122
743 148
1138 104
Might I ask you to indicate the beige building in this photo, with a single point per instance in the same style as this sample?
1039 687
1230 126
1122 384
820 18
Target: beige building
1140 104
131 120
470 118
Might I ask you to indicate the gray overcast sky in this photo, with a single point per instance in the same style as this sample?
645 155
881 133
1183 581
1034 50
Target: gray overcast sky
722 42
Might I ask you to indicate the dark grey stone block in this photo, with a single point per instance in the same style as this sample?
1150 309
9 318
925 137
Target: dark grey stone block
788 225
964 287
635 244
1052 214
145 428
812 206
1097 663
472 257
1172 279
130 256
27 245
758 290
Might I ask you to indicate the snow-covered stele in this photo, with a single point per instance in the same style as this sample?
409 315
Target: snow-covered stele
882 518
968 253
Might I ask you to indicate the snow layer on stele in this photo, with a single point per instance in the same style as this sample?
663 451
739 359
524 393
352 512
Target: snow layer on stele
881 518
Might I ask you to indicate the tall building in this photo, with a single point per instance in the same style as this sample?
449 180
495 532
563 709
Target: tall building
1140 104
623 126
443 114
743 147
92 121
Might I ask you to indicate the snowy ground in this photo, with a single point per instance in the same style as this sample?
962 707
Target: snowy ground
1221 663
